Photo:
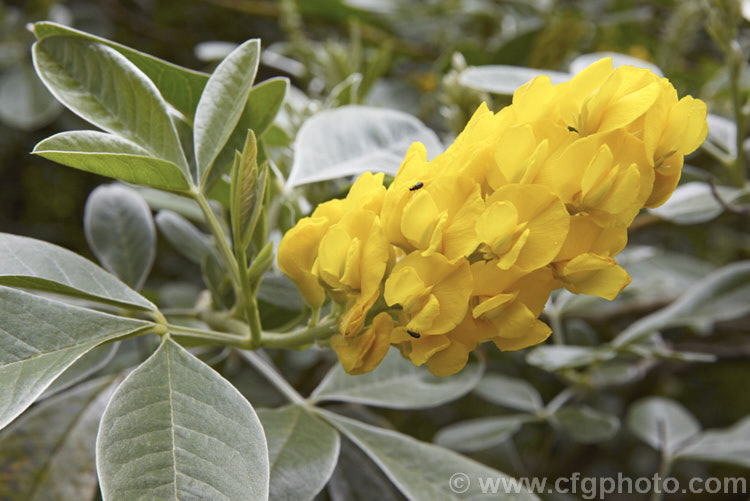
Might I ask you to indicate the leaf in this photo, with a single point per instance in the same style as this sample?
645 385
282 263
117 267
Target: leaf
720 296
175 429
502 79
41 338
103 87
222 102
397 384
356 477
278 290
242 196
421 470
587 425
479 434
90 363
33 264
729 445
509 392
48 453
120 231
181 87
216 280
618 59
722 132
302 450
662 423
263 103
556 357
184 237
111 156
24 101
161 200
355 139
694 202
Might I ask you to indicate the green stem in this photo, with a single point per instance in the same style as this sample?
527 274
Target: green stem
237 335
273 376
300 337
558 333
224 337
221 240
249 303
665 467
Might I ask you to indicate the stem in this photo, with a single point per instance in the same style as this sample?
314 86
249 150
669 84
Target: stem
314 316
557 402
665 465
250 303
221 240
207 335
558 333
300 337
273 376
664 468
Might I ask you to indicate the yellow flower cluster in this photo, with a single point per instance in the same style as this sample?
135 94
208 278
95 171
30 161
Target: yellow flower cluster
467 248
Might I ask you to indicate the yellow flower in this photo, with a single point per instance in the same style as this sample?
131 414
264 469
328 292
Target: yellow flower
352 259
473 151
362 353
298 250
586 265
672 129
605 175
433 293
509 303
444 354
522 151
627 95
436 214
523 225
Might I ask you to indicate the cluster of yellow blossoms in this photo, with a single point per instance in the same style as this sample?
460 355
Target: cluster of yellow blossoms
467 248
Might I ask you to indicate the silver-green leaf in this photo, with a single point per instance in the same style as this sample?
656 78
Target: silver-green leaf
425 471
722 295
175 429
120 231
105 88
557 357
302 450
181 87
40 338
662 423
729 445
479 434
242 195
184 236
111 156
587 425
397 384
50 449
355 139
222 102
34 264
503 79
89 364
509 392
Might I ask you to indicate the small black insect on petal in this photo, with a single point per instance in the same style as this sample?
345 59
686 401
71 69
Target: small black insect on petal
416 186
572 129
413 334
